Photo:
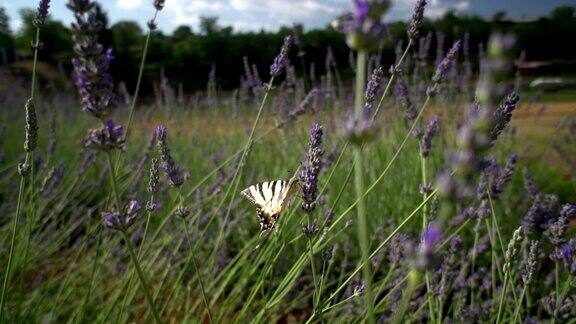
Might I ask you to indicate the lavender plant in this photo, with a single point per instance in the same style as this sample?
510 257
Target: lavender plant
420 250
27 167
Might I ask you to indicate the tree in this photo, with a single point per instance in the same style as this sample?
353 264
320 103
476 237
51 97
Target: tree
6 39
127 42
209 25
182 33
55 39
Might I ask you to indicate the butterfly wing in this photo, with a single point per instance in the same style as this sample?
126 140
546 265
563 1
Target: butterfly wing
269 198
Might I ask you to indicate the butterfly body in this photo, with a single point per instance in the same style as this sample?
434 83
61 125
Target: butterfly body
270 199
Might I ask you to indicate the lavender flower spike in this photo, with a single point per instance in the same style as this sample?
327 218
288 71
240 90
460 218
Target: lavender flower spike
311 169
372 88
41 13
174 173
31 127
504 177
431 237
426 142
122 221
416 21
159 4
442 68
282 59
91 64
503 114
401 94
364 26
110 137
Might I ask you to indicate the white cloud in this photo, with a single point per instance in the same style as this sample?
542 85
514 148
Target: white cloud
271 14
129 4
255 14
437 8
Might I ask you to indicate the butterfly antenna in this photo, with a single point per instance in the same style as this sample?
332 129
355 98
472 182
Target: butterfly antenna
296 173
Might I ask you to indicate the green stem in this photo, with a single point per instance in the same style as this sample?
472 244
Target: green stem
430 301
563 293
517 312
557 279
144 235
504 287
312 266
139 80
359 184
36 45
193 257
92 276
141 277
113 182
474 254
12 244
406 296
29 159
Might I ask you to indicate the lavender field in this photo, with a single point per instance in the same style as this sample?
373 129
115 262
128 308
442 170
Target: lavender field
439 188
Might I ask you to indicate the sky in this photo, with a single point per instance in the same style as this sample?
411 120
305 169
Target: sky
245 15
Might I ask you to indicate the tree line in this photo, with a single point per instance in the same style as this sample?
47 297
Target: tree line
190 57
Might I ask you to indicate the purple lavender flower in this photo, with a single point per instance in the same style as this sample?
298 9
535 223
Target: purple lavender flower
467 213
152 24
569 257
41 13
109 137
304 104
542 213
442 68
311 169
416 20
504 176
122 221
568 211
529 184
502 115
372 88
398 249
174 172
282 59
431 237
364 27
159 4
359 131
557 229
426 142
91 66
310 230
401 94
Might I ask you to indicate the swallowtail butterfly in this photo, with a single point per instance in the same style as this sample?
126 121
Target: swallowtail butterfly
270 199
